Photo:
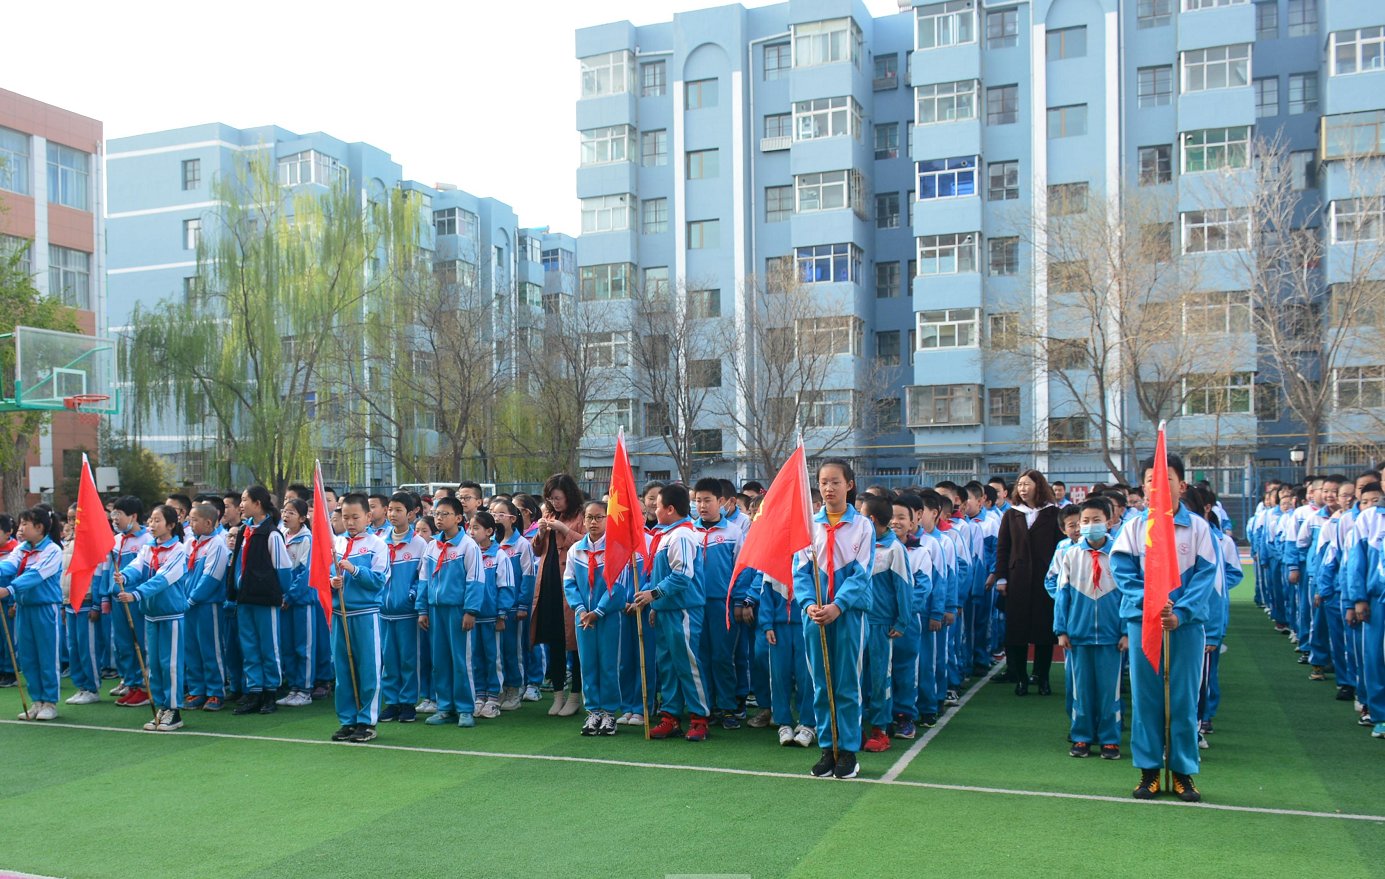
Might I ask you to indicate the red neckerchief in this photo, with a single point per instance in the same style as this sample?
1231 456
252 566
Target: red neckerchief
707 536
244 543
197 544
25 555
350 544
829 552
593 559
443 544
395 547
944 524
654 545
1096 570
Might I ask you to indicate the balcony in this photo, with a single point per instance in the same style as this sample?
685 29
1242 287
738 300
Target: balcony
886 83
774 144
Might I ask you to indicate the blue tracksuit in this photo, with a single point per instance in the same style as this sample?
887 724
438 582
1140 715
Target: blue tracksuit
126 631
158 580
632 697
497 600
988 524
1338 536
1273 564
790 686
891 608
599 647
83 638
455 580
258 625
719 543
203 666
843 556
958 638
1229 576
1365 582
515 650
1197 565
399 619
298 642
1323 526
679 605
1086 608
913 671
33 573
362 592
945 589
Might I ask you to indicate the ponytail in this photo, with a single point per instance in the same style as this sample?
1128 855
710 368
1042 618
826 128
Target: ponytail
171 517
43 517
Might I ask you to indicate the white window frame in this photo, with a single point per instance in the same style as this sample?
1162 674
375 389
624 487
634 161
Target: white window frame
606 145
826 117
809 259
1007 249
1302 82
830 335
1217 312
1223 66
192 233
830 407
827 42
779 203
950 254
69 171
653 79
1009 178
609 349
69 276
956 169
939 25
610 73
1155 97
606 417
650 154
829 191
653 216
1220 149
1360 378
947 328
16 151
1302 18
1362 48
1218 394
998 411
1357 219
608 213
1227 227
940 102
943 405
1195 5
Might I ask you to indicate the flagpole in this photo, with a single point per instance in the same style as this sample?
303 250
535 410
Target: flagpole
139 654
14 660
346 634
639 635
826 660
1168 717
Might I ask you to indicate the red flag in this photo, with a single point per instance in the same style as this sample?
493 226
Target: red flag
323 555
783 527
624 519
1161 554
91 535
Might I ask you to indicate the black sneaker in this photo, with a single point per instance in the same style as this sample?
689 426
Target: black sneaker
1080 749
929 720
1185 789
268 705
1110 752
391 713
9 680
364 733
1148 788
951 699
846 765
250 703
1346 694
593 725
823 768
345 732
407 713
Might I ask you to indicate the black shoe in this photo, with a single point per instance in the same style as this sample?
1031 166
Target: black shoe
267 704
1110 752
1022 688
929 720
1185 789
980 671
1346 694
1080 749
1045 689
407 713
823 768
846 765
391 713
363 734
1148 788
345 732
249 704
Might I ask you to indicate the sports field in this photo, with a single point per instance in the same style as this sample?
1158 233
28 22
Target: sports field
1293 787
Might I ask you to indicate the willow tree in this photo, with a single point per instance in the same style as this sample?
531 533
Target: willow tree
258 352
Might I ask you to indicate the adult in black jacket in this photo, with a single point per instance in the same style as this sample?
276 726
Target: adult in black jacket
260 574
1029 533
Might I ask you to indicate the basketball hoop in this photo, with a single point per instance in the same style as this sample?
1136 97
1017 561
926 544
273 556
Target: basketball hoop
76 403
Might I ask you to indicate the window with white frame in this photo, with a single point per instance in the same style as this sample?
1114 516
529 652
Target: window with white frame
1002 330
778 203
947 254
1354 134
456 272
1155 86
1068 121
607 417
827 408
1216 149
607 281
828 263
1153 13
1003 256
700 94
653 216
948 328
1217 312
945 24
653 79
1002 105
1358 387
1303 93
192 233
1218 394
1003 406
14 161
703 304
69 276
887 210
1357 51
655 282
1002 28
886 280
829 191
1156 164
192 174
1303 169
1065 199
942 405
827 117
703 164
778 125
613 143
1303 18
704 234
1002 181
12 244
1357 219
67 176
1267 96
611 73
456 221
531 294
608 213
827 42
1216 229
311 166
1194 5
1067 42
838 334
1218 67
608 349
947 178
945 101
887 140
654 148
778 60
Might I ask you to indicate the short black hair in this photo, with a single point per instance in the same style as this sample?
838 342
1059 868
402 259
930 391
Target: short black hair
909 500
406 499
384 499
130 506
1174 461
469 484
213 499
753 485
880 510
1070 511
728 489
358 499
183 501
299 489
1097 502
1370 486
931 499
676 496
708 484
451 503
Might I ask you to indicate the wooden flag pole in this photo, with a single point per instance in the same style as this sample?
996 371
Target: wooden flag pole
1168 718
139 654
14 660
346 634
639 636
826 659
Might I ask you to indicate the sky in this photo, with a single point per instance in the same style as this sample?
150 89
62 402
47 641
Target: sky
477 94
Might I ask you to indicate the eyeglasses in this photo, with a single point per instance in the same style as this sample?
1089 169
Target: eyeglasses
596 518
443 514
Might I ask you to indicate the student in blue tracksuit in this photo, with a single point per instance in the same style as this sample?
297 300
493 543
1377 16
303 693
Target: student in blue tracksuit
157 580
447 607
1322 526
127 516
955 528
297 632
1337 534
261 575
674 591
399 612
887 620
1067 520
1364 586
1283 548
32 573
1306 524
1086 619
1183 618
497 600
379 524
790 687
842 557
1229 576
208 559
904 668
633 619
358 587
514 640
987 524
939 556
81 623
719 543
596 610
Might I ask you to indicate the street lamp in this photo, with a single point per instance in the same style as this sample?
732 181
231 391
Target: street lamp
1297 456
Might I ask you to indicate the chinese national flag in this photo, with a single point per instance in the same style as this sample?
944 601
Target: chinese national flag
322 557
624 518
783 526
92 536
1161 554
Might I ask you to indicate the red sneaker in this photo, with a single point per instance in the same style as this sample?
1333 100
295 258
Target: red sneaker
136 698
877 742
697 729
667 727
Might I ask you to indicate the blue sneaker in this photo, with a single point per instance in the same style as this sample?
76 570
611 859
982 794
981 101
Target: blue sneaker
466 720
407 713
391 713
904 728
439 718
730 721
1378 731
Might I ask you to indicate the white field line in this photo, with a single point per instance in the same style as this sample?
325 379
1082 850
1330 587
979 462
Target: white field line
908 756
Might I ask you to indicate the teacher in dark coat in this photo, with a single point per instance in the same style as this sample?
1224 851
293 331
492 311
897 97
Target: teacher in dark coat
1029 533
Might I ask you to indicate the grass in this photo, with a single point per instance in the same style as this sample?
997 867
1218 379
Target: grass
93 803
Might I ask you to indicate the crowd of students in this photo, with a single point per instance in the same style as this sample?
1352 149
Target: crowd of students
461 607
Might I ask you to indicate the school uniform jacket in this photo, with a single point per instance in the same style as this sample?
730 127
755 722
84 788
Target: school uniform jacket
497 596
33 573
521 554
1197 561
208 559
892 588
452 574
1086 604
676 571
362 591
584 581
158 579
401 587
844 574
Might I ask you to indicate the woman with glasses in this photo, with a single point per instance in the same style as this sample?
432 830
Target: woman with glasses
553 627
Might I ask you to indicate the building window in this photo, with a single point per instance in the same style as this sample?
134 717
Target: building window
1003 256
1358 51
827 117
1357 219
887 210
531 294
1303 171
1216 229
947 178
706 442
699 94
607 417
1156 164
886 280
830 408
1002 29
886 72
192 174
827 42
1216 149
1195 5
14 161
615 143
827 191
1003 406
1067 430
947 254
194 291
67 176
653 79
943 405
1002 105
654 148
948 328
1354 134
608 349
456 272
779 125
655 281
653 216
11 245
69 276
887 140
704 304
1267 96
778 60
1153 13
1155 86
311 166
778 203
608 74
1303 93
1003 330
1219 67
192 233
704 373
887 348
1068 42
945 24
1069 121
608 213
1217 312
1267 20
1065 199
889 414
456 221
1266 402
703 164
704 234
828 263
829 335
1002 181
1358 387
1303 18
945 101
1228 394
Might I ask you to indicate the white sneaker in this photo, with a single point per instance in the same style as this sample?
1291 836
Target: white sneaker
624 719
803 736
574 701
1202 741
83 697
46 711
427 706
636 719
171 720
509 699
153 725
786 735
531 694
490 709
304 698
477 706
288 700
119 690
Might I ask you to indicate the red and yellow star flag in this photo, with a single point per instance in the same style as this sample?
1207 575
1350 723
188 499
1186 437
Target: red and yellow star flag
1161 553
624 518
91 535
322 552
783 527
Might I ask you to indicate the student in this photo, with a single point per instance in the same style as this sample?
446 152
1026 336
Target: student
634 690
379 515
791 688
719 543
297 626
938 556
1086 619
514 640
454 579
1323 527
1364 586
1333 602
469 493
598 622
82 623
399 689
1072 532
904 668
890 607
1182 617
1229 576
496 600
208 560
842 557
131 536
674 590
261 575
358 586
182 505
32 573
157 581
959 560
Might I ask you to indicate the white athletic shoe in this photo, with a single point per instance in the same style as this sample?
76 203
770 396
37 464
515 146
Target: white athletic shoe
288 700
46 711
489 709
1202 741
83 697
427 706
531 694
153 725
636 719
786 735
574 701
304 698
624 719
509 699
803 736
476 707
119 690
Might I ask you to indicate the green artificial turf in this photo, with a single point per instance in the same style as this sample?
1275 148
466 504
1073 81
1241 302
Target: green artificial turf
93 803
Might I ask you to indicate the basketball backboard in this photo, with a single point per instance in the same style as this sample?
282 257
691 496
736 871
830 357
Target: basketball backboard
46 369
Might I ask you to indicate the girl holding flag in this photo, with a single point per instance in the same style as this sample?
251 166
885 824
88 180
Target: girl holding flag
157 581
596 607
32 574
